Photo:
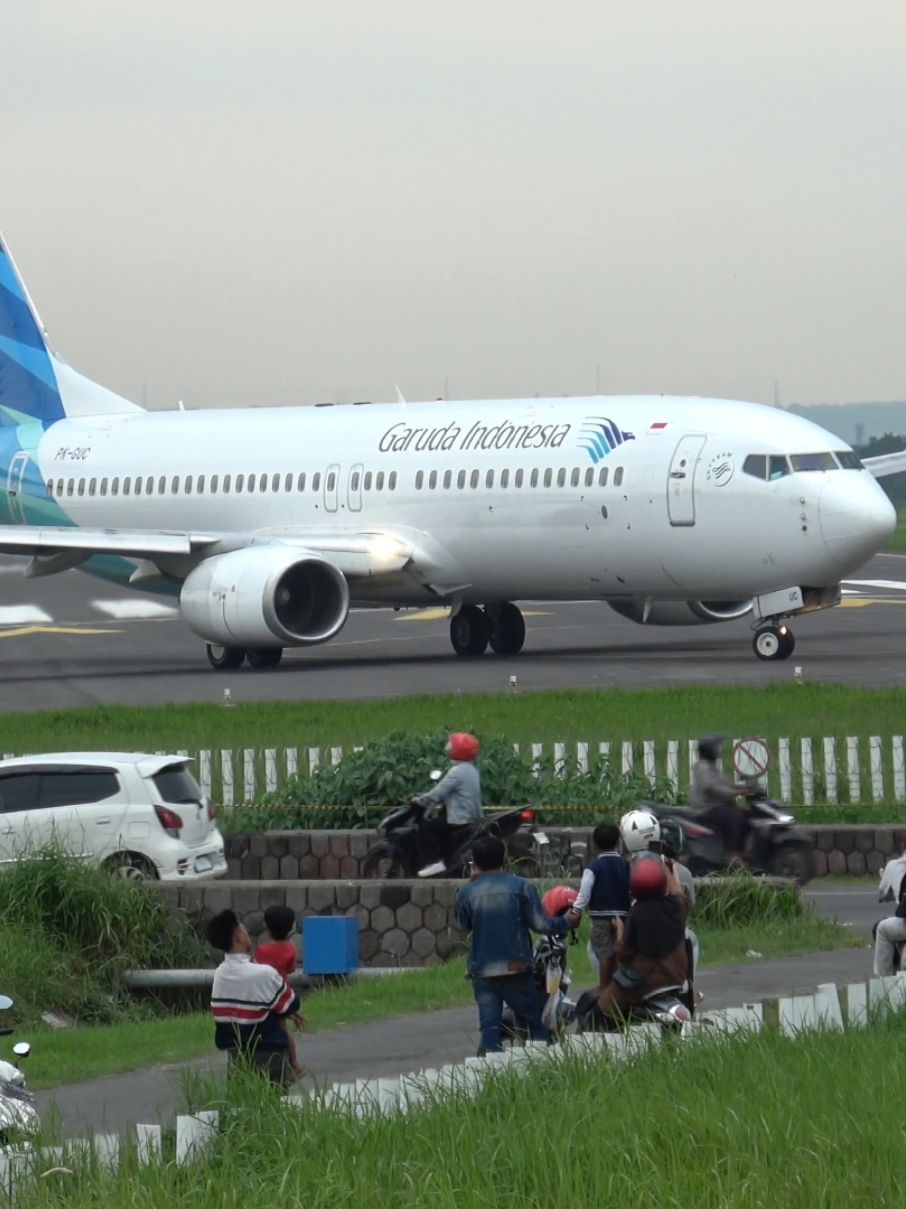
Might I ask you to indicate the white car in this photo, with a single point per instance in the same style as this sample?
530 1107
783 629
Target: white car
142 816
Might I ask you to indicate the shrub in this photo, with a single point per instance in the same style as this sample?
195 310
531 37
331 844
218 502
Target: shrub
355 792
742 899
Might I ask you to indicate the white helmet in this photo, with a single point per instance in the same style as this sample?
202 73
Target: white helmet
638 829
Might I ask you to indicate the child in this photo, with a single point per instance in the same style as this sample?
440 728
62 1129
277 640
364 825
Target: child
280 953
604 892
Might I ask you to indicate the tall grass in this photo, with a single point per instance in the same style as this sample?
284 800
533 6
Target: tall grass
742 1123
69 930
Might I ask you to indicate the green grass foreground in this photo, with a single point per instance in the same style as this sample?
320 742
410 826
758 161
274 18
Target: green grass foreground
740 1123
90 1052
615 714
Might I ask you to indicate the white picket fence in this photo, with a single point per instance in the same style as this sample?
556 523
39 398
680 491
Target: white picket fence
848 770
196 1134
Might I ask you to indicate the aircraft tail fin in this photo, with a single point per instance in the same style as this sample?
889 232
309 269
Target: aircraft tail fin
35 384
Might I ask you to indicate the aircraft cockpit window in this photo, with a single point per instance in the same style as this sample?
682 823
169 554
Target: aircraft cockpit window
756 464
813 461
848 460
778 466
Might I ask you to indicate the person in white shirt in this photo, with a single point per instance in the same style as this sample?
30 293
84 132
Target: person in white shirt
891 932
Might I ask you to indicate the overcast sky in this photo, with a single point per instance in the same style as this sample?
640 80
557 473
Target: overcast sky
289 202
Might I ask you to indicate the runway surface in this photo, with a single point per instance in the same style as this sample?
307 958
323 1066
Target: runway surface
71 640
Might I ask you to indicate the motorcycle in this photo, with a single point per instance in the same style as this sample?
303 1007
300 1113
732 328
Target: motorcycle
552 983
402 852
775 846
664 1007
18 1116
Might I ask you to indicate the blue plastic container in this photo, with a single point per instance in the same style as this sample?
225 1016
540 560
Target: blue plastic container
331 944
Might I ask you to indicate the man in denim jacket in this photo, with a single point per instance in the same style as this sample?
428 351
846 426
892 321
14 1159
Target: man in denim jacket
500 911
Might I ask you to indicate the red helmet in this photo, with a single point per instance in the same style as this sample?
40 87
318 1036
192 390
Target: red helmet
558 900
462 746
648 878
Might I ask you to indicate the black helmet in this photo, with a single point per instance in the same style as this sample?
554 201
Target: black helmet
709 747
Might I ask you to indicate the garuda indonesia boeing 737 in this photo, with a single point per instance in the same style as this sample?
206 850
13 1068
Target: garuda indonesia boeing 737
268 525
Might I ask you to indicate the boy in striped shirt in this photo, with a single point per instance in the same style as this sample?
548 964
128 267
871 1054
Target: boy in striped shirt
249 1003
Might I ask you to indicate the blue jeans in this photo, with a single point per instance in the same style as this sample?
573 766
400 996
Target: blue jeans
519 993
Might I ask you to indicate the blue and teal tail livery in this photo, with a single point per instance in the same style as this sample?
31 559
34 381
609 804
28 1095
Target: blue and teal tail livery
34 384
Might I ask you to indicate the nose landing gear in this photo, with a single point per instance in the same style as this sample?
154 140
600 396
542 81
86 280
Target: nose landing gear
773 642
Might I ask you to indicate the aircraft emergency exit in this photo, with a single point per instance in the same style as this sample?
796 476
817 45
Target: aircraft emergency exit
269 524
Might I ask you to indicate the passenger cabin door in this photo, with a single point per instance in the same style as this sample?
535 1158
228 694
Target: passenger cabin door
681 479
354 493
332 488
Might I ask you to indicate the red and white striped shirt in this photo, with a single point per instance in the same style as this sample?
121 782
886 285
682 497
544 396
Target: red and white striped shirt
248 1001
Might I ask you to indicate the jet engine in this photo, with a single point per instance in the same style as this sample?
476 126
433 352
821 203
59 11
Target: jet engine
681 612
265 596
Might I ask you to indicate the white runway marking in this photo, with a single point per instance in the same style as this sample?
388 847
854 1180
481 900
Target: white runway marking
23 615
897 584
134 610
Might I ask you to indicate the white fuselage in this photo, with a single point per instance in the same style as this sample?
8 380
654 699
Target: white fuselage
644 498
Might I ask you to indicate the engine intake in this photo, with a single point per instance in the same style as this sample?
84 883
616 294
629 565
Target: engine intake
681 612
265 596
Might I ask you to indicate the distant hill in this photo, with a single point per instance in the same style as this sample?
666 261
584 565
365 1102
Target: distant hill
855 423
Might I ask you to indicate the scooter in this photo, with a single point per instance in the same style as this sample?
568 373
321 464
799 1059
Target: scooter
402 851
776 846
18 1117
664 1007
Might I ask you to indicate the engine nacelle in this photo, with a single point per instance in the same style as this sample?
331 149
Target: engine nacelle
681 612
265 596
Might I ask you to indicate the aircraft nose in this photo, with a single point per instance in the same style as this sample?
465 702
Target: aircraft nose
857 518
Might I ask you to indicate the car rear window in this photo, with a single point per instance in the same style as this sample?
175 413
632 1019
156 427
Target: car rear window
176 784
18 791
77 786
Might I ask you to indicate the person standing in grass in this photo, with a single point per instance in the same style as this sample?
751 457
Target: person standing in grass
891 932
500 911
249 1003
604 892
280 953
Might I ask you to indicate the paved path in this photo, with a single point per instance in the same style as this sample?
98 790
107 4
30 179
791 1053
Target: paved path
393 1047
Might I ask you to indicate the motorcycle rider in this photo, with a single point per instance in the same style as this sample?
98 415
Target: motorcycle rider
458 794
713 796
651 952
892 875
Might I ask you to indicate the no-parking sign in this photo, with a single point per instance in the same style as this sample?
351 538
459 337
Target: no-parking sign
751 758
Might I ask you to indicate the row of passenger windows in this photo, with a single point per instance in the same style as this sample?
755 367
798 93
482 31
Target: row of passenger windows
219 485
517 478
359 480
776 466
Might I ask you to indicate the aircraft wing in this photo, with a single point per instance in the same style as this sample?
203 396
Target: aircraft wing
886 463
58 548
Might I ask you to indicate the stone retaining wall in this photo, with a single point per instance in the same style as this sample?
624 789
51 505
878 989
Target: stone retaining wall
328 855
401 923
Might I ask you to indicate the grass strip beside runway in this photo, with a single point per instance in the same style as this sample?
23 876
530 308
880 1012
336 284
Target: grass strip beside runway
787 709
740 1122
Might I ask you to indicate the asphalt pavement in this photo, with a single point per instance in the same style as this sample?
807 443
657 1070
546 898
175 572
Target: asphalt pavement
410 1043
71 640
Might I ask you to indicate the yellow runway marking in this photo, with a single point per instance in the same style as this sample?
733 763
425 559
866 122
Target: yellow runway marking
28 631
860 602
444 615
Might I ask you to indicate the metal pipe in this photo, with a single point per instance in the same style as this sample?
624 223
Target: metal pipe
199 979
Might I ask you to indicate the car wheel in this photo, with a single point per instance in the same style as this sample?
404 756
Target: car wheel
131 867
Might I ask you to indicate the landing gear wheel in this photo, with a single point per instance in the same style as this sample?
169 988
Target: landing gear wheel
224 658
470 631
773 643
507 624
268 656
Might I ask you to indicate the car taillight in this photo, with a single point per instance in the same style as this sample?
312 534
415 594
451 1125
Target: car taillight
213 808
169 820
527 815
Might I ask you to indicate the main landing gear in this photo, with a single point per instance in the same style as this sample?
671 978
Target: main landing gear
773 642
500 626
225 658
